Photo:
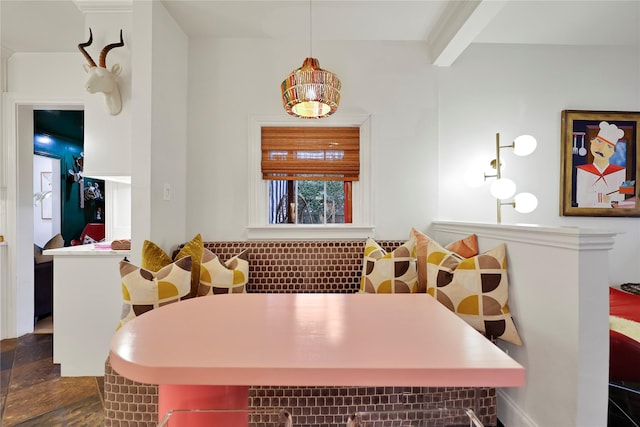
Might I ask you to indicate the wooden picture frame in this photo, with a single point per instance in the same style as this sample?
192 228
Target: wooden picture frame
599 163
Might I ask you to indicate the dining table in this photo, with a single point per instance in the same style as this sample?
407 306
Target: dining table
205 352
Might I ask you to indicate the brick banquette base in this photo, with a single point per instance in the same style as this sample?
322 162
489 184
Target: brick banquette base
307 266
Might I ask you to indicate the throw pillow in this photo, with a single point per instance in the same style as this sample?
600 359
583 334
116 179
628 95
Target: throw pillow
154 258
144 290
475 288
228 278
393 272
38 258
466 248
54 243
88 239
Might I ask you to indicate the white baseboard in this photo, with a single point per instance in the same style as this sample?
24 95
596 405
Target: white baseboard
510 414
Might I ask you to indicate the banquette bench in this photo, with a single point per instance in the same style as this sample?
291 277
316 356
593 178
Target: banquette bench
311 266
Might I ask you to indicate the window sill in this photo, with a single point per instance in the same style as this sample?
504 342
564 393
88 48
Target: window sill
301 232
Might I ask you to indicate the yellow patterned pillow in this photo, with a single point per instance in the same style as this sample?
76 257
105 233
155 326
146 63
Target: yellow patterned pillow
144 290
475 288
389 273
154 258
228 278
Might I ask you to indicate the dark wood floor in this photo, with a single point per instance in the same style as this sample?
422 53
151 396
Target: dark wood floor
32 393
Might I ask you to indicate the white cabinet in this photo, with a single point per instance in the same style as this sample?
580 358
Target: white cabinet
87 301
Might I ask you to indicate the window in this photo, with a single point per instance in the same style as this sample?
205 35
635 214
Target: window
310 172
309 202
309 180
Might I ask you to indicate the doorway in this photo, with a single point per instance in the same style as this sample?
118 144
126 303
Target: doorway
17 297
46 232
59 134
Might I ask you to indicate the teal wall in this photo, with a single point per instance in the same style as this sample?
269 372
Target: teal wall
64 130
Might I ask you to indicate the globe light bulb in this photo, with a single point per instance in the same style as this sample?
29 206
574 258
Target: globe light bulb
524 145
525 202
503 188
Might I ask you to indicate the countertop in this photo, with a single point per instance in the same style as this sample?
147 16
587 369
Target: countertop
85 250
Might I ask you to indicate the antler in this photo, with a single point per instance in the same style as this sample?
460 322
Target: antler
81 46
107 48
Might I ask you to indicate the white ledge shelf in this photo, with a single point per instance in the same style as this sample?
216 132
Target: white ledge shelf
576 238
309 231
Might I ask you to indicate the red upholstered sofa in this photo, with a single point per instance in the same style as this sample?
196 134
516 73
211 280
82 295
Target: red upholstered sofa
624 361
624 357
624 350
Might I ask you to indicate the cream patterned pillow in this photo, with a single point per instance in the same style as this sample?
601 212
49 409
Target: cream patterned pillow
144 290
228 278
475 288
389 273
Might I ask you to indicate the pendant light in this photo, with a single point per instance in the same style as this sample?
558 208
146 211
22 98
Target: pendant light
310 92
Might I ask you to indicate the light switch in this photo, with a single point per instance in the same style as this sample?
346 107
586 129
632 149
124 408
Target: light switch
167 192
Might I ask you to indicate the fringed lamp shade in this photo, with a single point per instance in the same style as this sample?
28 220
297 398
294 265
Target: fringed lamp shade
311 92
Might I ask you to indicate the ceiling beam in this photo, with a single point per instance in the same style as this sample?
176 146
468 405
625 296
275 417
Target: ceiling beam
460 24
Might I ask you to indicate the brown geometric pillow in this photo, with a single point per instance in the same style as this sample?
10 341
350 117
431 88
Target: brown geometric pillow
144 290
388 273
228 278
466 248
475 288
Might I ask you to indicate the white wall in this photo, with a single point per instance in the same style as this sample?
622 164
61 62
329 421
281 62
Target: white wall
561 316
231 80
117 210
159 141
107 138
522 89
46 75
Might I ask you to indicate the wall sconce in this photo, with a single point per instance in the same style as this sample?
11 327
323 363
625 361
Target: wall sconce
504 188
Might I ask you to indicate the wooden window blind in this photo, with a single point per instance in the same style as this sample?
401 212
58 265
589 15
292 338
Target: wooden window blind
311 153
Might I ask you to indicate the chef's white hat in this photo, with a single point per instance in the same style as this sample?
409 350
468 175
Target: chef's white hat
610 133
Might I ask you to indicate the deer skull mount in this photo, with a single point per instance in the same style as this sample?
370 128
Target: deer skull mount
100 78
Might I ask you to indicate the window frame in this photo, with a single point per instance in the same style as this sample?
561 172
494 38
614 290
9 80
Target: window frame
258 227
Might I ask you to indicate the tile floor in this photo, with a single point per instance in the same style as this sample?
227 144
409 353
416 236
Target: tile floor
32 393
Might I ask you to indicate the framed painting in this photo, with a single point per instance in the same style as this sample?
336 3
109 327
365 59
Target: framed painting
599 163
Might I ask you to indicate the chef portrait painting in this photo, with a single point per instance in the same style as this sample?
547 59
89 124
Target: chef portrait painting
598 183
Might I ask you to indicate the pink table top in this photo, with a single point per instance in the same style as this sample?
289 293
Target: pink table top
310 339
